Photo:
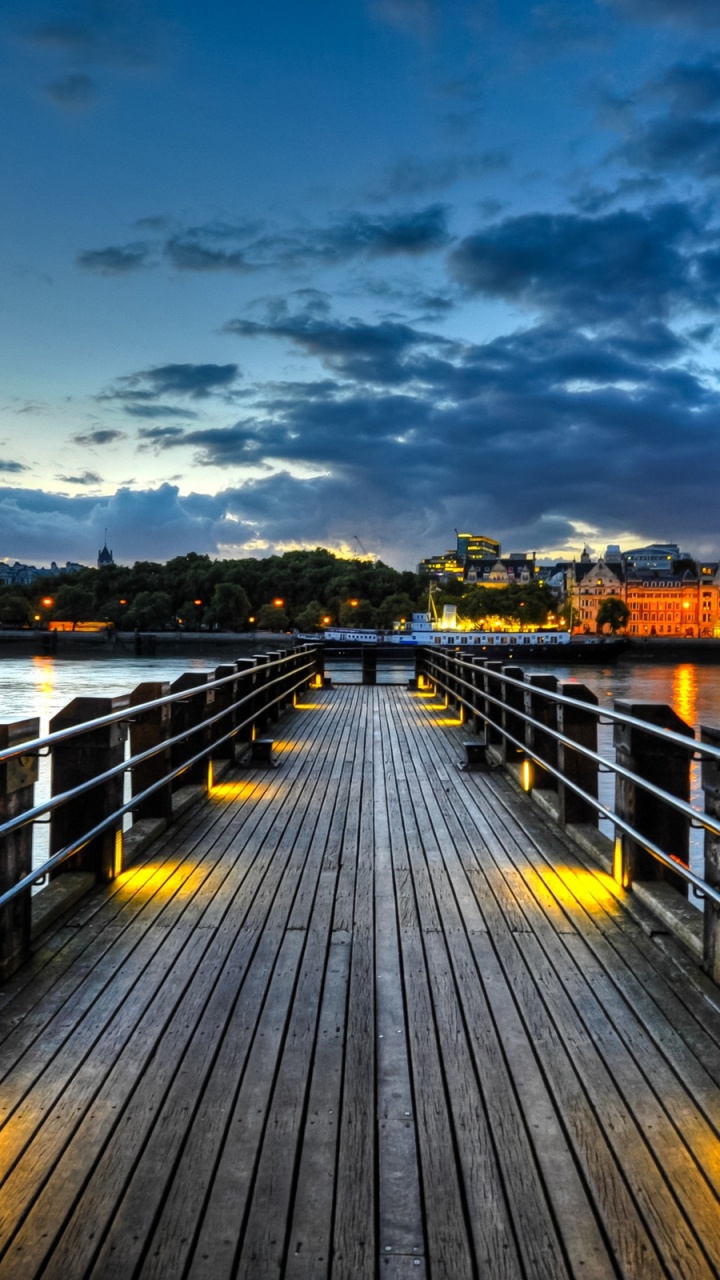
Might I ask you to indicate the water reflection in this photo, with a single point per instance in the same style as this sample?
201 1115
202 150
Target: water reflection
685 692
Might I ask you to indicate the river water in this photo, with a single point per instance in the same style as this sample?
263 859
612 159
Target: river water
41 686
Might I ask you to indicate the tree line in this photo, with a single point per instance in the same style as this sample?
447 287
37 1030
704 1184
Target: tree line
307 590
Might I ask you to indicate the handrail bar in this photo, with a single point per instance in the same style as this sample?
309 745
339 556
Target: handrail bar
126 766
680 868
135 801
676 802
34 745
705 750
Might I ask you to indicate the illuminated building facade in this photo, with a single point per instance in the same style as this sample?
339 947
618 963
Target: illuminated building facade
680 599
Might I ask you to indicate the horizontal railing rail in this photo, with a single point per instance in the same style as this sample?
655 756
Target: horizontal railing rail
525 728
252 692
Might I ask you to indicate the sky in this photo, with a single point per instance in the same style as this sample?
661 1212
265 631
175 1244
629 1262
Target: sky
358 275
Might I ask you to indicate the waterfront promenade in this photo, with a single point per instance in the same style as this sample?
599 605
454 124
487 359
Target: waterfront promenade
364 1015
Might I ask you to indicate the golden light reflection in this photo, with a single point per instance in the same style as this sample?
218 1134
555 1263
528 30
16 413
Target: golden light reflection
526 775
685 692
588 887
311 706
618 874
454 721
224 791
157 881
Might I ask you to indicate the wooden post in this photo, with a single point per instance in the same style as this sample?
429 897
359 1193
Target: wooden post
545 712
261 694
369 664
711 786
581 726
245 686
493 714
514 700
667 766
225 696
17 785
273 670
185 716
478 702
75 761
147 730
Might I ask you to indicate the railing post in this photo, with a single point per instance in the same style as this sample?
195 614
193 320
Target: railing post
667 766
493 714
77 760
260 711
369 664
186 715
514 700
17 783
580 726
273 670
539 742
148 729
225 696
711 786
245 687
476 679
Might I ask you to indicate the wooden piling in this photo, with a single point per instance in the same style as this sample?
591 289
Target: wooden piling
17 787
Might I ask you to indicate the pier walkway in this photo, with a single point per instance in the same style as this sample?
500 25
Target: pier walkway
361 1016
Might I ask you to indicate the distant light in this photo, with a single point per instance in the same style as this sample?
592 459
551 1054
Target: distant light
197 602
278 603
353 603
122 601
37 617
326 622
251 619
47 601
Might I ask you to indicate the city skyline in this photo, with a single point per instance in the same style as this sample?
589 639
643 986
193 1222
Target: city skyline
296 275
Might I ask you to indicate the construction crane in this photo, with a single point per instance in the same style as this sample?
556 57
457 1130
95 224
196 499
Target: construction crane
360 544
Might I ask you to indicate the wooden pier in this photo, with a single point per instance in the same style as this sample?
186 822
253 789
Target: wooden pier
363 1015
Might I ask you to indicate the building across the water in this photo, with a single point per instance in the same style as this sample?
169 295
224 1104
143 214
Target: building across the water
675 597
25 574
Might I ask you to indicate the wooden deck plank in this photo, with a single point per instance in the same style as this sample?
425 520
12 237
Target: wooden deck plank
366 1016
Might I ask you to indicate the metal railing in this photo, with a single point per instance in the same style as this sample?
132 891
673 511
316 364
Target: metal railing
86 818
547 734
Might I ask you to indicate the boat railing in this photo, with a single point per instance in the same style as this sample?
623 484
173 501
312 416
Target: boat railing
182 737
545 734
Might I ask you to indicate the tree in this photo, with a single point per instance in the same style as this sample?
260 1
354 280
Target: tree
271 618
73 603
395 608
15 611
361 614
150 611
229 607
614 613
310 618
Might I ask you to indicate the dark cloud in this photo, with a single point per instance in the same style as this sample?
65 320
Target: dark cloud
528 436
141 409
414 175
681 13
354 349
210 248
141 394
86 478
8 466
592 199
116 260
689 86
121 34
190 255
74 91
627 266
194 380
676 143
99 437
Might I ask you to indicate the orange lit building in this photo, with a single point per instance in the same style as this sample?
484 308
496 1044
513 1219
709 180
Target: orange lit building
683 603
